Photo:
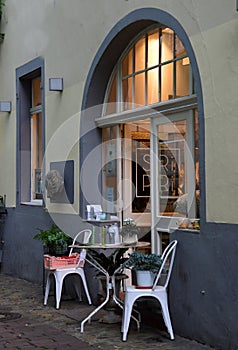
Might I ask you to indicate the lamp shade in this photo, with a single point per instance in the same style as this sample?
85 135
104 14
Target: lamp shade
5 106
56 84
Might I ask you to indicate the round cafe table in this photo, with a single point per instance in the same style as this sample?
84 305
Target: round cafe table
109 285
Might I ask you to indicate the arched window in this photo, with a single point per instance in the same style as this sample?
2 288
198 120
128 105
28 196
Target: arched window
150 135
155 68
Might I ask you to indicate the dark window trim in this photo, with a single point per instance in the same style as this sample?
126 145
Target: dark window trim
26 71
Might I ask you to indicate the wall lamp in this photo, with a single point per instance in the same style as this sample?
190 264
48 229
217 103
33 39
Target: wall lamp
56 84
5 106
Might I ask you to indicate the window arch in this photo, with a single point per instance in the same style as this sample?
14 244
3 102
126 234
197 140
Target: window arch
93 104
154 68
157 158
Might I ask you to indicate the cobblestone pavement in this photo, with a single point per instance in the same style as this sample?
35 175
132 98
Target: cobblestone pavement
27 324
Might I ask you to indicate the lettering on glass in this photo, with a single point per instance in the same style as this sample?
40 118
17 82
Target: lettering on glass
141 175
169 178
142 172
170 164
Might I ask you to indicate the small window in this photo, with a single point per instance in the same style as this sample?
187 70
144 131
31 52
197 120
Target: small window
31 137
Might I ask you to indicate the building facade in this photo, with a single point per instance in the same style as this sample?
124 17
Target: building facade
131 106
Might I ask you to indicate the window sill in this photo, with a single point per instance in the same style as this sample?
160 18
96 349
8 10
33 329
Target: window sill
172 229
36 203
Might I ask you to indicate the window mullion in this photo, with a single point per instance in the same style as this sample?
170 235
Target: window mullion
159 70
133 77
119 102
146 71
174 67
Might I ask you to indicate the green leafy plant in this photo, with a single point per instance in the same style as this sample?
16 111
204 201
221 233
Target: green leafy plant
141 261
112 262
54 239
1 6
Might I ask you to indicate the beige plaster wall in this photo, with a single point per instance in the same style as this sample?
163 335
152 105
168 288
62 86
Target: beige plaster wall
69 33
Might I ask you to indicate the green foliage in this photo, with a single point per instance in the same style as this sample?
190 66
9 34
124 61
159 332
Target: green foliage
1 6
54 238
2 35
141 261
112 262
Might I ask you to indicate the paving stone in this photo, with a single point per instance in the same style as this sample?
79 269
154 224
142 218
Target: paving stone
44 327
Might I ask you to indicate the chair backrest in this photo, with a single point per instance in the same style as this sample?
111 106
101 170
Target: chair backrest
167 264
81 237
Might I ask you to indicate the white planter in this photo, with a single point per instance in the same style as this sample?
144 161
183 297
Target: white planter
130 236
144 278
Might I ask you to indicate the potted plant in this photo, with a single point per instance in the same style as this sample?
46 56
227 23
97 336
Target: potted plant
145 266
110 262
55 241
129 231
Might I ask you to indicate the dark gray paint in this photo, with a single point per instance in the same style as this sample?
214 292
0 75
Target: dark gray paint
23 94
22 255
204 284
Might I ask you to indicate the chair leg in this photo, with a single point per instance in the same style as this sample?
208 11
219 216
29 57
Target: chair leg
47 288
58 290
166 317
85 287
126 319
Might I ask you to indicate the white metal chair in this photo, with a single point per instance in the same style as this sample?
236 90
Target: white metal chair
158 291
60 273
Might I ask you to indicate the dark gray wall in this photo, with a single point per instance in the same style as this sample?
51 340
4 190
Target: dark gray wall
204 286
22 255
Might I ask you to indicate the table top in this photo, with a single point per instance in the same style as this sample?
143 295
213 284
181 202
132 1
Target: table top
102 222
111 246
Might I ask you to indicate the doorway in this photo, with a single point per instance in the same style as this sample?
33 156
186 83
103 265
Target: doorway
174 165
151 172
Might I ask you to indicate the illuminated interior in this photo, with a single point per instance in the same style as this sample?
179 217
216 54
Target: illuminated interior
155 69
36 140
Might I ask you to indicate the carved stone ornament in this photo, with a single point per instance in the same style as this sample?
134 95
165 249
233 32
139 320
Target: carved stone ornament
54 183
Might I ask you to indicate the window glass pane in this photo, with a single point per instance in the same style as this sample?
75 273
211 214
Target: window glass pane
153 49
167 45
173 176
111 105
140 89
109 170
36 92
167 82
179 48
36 155
182 77
140 55
152 86
140 171
161 49
127 64
127 93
